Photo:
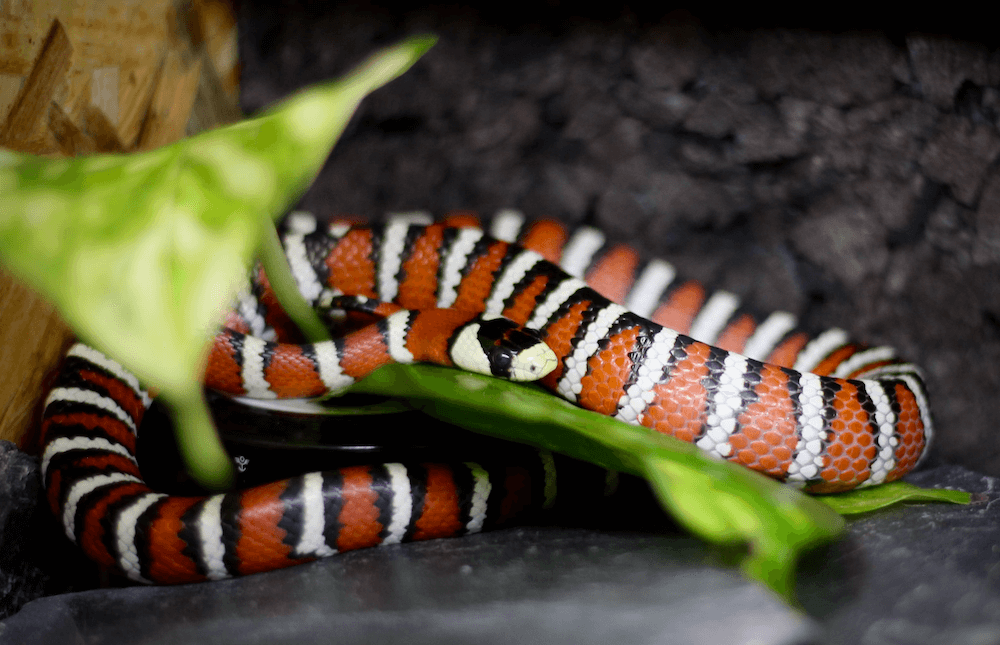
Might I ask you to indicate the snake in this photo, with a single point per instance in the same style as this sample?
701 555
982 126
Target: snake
594 323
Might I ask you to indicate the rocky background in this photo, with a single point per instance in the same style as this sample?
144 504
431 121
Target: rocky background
849 177
842 170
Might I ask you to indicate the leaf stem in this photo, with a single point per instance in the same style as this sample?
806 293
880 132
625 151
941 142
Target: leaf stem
199 443
272 256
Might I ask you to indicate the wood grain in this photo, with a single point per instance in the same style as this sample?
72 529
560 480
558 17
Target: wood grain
84 78
31 104
72 141
32 339
167 116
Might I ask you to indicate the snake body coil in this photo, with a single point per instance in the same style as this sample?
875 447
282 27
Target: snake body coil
817 412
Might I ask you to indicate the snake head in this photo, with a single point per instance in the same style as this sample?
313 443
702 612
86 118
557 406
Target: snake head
500 347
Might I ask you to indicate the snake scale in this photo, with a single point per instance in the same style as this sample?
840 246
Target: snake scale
815 411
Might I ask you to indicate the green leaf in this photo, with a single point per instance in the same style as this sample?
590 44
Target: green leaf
272 258
865 500
143 252
720 502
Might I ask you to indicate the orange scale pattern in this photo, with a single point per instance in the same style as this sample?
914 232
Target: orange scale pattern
420 271
292 374
606 373
613 273
830 363
787 351
440 516
766 435
524 301
224 370
546 238
461 219
734 337
681 307
92 529
350 266
849 453
910 429
678 405
559 336
477 283
171 565
359 516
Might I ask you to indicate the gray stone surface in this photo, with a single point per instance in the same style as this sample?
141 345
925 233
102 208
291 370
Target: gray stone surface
920 574
21 579
916 574
515 586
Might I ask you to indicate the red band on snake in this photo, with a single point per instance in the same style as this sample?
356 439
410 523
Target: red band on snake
818 412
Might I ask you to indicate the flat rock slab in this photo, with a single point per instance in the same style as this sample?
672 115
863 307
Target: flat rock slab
926 573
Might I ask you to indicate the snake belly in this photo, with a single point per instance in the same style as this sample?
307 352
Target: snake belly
816 411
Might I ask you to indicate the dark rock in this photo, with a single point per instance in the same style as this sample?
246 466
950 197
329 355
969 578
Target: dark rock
671 55
845 235
799 64
714 116
657 108
620 142
697 157
796 114
20 580
959 154
942 65
565 189
847 177
929 570
954 366
761 137
514 127
591 119
949 230
898 129
986 246
989 103
890 202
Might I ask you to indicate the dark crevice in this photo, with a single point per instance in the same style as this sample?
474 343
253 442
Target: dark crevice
923 207
991 320
969 104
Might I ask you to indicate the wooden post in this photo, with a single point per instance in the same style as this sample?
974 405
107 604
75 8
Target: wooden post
90 77
22 125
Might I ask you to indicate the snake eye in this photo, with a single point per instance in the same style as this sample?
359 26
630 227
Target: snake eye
500 359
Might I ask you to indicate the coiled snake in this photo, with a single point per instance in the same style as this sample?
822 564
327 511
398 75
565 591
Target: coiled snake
817 412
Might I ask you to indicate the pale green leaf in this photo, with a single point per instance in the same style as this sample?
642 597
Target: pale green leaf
143 252
865 500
